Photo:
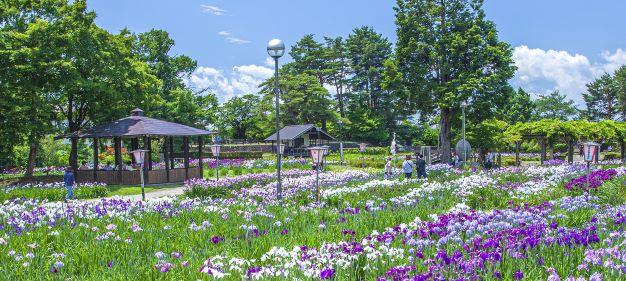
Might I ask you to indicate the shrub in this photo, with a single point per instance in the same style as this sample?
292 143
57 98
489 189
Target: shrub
612 155
368 151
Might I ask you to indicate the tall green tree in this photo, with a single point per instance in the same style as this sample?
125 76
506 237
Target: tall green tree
367 51
554 106
337 68
519 108
448 52
601 98
238 116
309 57
620 81
303 100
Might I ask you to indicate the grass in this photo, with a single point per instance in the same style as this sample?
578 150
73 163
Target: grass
124 190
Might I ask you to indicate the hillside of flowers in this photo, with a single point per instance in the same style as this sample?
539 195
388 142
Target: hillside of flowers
517 223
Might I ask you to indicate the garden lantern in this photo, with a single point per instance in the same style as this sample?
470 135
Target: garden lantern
591 150
276 49
215 149
281 149
317 156
362 148
139 157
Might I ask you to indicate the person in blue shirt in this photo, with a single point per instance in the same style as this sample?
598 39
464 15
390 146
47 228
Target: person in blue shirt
407 167
68 179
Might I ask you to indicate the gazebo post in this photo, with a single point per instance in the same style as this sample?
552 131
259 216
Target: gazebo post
118 158
171 152
166 157
186 155
134 145
95 159
147 158
200 143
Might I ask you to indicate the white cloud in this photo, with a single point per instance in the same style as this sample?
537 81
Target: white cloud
231 38
540 71
213 10
243 79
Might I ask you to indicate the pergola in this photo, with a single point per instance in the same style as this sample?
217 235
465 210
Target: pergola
134 127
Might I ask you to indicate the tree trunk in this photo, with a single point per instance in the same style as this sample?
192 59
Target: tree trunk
444 125
33 144
74 154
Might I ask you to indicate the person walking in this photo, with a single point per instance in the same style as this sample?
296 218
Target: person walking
388 168
489 160
68 179
407 167
420 167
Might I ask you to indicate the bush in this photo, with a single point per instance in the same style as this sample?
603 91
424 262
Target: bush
237 154
54 192
612 155
368 151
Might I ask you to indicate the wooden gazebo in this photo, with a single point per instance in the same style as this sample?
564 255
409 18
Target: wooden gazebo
134 127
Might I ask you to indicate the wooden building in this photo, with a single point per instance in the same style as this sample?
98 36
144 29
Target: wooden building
136 127
297 138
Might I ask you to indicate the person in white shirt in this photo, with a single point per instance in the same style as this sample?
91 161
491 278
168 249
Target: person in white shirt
407 167
388 168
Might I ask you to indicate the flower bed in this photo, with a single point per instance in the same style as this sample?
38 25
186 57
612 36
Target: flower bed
592 180
54 191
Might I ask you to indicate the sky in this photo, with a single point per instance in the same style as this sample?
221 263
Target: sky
557 44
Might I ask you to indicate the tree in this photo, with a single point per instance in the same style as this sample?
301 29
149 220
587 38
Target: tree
238 115
447 52
304 100
309 58
367 51
602 98
554 106
519 108
620 80
337 67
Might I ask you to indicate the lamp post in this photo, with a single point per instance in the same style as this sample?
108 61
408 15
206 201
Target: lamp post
362 148
340 142
276 49
317 156
139 156
463 105
215 149
326 150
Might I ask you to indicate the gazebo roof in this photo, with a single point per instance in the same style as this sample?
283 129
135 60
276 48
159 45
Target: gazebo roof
138 125
295 131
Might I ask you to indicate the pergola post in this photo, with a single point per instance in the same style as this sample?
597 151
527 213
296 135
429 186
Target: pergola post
186 156
95 159
543 150
517 146
118 158
200 144
166 157
147 158
622 151
570 151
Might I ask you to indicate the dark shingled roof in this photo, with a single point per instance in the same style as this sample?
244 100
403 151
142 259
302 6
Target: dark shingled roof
138 125
295 131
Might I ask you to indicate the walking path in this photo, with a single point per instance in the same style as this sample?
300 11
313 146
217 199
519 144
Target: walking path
149 195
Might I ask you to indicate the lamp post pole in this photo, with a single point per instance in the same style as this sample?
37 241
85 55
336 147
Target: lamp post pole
276 49
340 142
463 105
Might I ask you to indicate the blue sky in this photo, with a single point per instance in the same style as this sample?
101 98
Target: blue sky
558 44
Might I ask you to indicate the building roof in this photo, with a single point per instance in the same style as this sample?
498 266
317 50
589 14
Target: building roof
138 125
295 131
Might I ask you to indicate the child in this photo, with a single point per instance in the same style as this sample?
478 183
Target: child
407 167
68 178
388 168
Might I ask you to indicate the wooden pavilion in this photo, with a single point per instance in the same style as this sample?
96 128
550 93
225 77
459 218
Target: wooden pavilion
134 127
297 138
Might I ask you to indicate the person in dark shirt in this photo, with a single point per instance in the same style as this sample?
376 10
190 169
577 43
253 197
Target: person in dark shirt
68 179
420 166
